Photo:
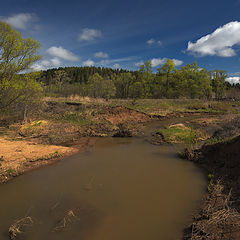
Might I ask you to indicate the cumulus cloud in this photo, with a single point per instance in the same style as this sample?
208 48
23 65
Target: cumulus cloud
235 74
20 21
233 80
218 43
160 61
138 64
89 34
63 53
53 58
101 55
88 63
46 64
177 62
117 66
153 41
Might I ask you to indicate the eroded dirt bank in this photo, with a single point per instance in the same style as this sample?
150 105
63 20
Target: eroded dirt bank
32 144
219 215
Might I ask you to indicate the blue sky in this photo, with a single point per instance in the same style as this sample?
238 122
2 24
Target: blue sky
123 34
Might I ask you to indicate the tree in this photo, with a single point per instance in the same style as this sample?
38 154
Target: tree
219 83
100 87
60 78
146 78
122 83
193 81
166 70
16 55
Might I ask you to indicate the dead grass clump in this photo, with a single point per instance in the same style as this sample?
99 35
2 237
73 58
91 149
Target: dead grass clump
218 220
66 221
19 226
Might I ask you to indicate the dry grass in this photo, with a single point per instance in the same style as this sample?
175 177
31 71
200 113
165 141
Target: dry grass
77 98
218 219
15 153
66 221
19 226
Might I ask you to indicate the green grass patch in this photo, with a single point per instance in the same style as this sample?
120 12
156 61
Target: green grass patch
36 124
213 140
12 172
79 118
175 105
211 184
179 135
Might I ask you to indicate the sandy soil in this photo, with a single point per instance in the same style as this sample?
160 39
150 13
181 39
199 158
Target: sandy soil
17 157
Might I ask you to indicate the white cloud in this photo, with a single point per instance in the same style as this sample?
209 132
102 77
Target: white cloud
111 61
218 43
138 64
20 21
62 53
177 62
116 66
56 53
88 34
88 63
46 64
101 55
233 80
152 42
235 74
159 61
56 61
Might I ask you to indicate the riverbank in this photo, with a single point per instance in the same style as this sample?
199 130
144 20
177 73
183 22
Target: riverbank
59 127
18 157
218 217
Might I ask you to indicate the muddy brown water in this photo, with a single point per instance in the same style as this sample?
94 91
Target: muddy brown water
124 189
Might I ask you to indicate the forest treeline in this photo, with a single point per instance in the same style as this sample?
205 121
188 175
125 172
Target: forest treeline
190 81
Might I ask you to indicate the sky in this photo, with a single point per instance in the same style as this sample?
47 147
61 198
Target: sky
124 34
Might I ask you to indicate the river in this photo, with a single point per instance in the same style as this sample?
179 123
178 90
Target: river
123 189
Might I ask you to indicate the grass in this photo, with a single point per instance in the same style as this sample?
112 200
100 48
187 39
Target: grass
12 172
211 184
213 140
165 106
156 106
79 118
35 124
179 135
46 157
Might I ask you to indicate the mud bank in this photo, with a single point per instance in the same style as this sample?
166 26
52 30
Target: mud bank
219 215
33 144
18 157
